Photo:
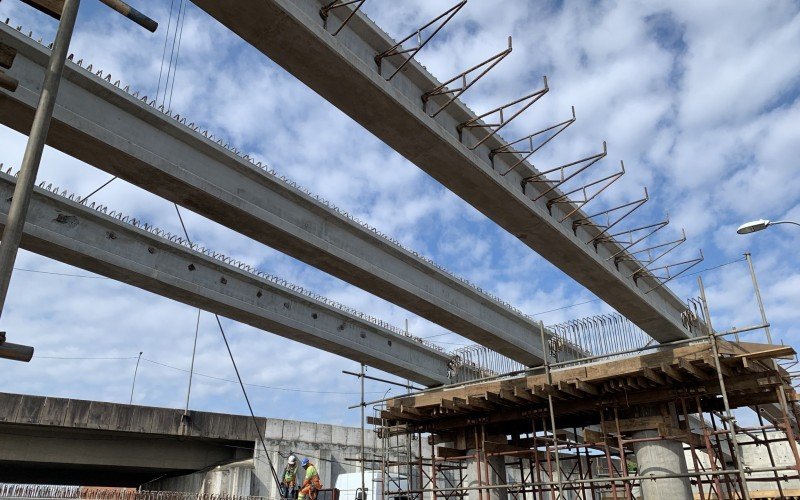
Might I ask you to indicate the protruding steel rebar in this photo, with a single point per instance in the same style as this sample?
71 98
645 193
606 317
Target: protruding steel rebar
528 100
396 50
603 184
443 89
632 206
540 177
648 252
529 139
628 241
663 280
325 11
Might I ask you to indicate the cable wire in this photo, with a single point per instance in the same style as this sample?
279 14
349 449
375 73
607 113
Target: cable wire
61 274
182 21
249 406
98 189
172 53
164 54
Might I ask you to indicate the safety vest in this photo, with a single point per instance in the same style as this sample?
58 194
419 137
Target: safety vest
311 472
289 473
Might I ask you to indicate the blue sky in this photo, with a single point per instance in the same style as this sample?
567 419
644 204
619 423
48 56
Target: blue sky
700 99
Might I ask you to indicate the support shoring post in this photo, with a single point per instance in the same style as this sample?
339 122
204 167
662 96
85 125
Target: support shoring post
609 463
709 448
589 474
485 462
698 467
420 469
769 450
477 459
623 462
731 419
15 223
551 409
434 485
758 296
549 462
522 477
537 489
721 454
788 426
363 407
582 495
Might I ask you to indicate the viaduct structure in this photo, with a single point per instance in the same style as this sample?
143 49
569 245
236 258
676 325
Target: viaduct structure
568 421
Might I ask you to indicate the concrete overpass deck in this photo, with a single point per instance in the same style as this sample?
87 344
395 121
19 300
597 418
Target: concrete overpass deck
69 441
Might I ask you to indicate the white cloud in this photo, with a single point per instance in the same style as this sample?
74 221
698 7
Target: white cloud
699 99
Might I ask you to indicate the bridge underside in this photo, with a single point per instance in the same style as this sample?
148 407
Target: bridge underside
88 457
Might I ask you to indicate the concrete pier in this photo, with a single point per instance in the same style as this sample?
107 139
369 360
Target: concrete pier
659 458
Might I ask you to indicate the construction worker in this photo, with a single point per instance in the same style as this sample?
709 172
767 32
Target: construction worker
289 482
311 484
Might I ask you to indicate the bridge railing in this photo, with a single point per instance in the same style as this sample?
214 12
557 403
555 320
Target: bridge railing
49 491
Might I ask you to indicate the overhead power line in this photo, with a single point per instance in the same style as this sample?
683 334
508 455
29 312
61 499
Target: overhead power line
221 379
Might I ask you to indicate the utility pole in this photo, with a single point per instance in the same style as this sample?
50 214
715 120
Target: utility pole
67 12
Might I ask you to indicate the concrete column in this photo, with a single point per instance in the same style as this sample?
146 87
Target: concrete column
658 458
495 475
263 484
324 468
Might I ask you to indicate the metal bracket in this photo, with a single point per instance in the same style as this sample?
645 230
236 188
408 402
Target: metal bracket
496 127
325 11
465 85
563 177
509 148
396 50
604 184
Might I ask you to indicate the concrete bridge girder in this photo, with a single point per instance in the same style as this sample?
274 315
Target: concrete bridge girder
343 71
102 125
74 234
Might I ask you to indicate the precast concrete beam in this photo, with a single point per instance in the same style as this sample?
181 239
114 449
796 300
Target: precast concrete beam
101 124
343 70
74 234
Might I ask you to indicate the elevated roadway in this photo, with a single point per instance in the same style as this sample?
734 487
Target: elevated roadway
99 123
343 70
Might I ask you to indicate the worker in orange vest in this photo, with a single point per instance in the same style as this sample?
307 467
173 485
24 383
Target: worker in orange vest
311 484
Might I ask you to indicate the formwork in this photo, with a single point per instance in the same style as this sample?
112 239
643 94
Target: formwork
573 429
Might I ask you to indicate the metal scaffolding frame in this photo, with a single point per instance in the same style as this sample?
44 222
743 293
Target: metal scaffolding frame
550 455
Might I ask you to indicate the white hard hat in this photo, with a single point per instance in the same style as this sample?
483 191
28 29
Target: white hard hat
292 459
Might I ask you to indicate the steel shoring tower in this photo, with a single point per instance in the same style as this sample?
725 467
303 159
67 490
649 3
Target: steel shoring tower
504 443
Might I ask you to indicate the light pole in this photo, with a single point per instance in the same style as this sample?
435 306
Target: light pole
67 12
761 224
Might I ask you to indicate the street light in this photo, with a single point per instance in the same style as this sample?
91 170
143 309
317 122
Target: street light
761 224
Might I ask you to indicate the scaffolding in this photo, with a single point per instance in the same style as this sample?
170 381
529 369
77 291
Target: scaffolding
576 429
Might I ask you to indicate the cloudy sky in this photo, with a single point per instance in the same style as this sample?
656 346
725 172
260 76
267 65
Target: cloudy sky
700 99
